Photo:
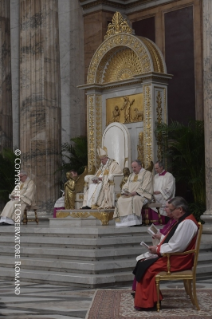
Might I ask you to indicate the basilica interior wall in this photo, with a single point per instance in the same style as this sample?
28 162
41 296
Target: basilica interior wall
95 27
178 33
176 28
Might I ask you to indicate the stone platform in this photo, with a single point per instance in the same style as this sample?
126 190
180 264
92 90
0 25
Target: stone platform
83 217
87 256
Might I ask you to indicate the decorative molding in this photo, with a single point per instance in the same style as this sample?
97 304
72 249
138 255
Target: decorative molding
156 58
159 113
91 135
123 65
98 123
118 25
112 5
103 216
109 48
140 147
147 126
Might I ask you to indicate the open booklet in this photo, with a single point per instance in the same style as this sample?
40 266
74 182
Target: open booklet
146 255
152 230
144 244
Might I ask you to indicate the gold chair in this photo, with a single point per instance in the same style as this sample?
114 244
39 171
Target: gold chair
25 218
188 276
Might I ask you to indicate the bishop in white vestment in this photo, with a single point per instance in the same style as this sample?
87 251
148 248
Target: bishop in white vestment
136 192
101 191
22 195
163 185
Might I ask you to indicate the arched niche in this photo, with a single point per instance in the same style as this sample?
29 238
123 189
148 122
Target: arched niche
126 67
136 55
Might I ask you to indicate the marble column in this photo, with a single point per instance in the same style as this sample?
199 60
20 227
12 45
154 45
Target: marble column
71 39
207 87
5 77
40 114
15 69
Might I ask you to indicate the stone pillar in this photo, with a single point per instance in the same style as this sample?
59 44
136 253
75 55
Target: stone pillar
73 105
40 115
15 69
207 82
5 77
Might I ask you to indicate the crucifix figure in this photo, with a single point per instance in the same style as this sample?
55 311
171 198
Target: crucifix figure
126 106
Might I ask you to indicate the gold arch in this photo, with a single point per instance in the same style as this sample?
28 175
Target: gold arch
120 50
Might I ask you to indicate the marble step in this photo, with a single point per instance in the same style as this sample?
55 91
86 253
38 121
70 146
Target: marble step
51 277
76 266
85 280
83 256
68 241
80 254
81 232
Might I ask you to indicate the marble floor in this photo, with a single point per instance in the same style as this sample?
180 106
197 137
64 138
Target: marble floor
54 301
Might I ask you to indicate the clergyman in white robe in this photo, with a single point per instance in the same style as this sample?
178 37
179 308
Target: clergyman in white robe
27 198
164 185
128 208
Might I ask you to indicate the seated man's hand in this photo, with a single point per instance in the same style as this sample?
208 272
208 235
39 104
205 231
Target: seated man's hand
133 193
157 236
100 179
152 249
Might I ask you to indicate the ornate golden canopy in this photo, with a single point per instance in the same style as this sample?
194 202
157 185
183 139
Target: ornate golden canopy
123 55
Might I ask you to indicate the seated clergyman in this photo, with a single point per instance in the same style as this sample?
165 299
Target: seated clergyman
100 191
164 189
180 237
136 192
19 198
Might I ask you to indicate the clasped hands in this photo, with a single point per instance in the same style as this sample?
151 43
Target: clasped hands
127 194
96 181
153 249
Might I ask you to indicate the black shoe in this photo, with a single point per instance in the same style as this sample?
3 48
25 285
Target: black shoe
5 224
85 207
133 294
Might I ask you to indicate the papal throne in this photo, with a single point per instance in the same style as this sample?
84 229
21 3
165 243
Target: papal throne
116 139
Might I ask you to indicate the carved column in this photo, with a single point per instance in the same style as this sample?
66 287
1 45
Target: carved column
207 82
5 77
73 106
40 117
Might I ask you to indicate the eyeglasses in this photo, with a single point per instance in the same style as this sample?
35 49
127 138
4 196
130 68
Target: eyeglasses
171 210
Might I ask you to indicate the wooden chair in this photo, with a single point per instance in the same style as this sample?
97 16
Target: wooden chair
25 218
188 276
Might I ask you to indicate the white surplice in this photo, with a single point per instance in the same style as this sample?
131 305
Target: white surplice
164 183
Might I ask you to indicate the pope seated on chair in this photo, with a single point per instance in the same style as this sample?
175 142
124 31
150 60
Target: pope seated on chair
18 204
136 192
101 189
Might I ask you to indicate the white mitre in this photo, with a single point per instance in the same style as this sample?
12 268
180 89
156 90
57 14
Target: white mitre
102 152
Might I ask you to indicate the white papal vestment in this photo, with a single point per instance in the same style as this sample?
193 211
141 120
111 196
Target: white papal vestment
101 194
